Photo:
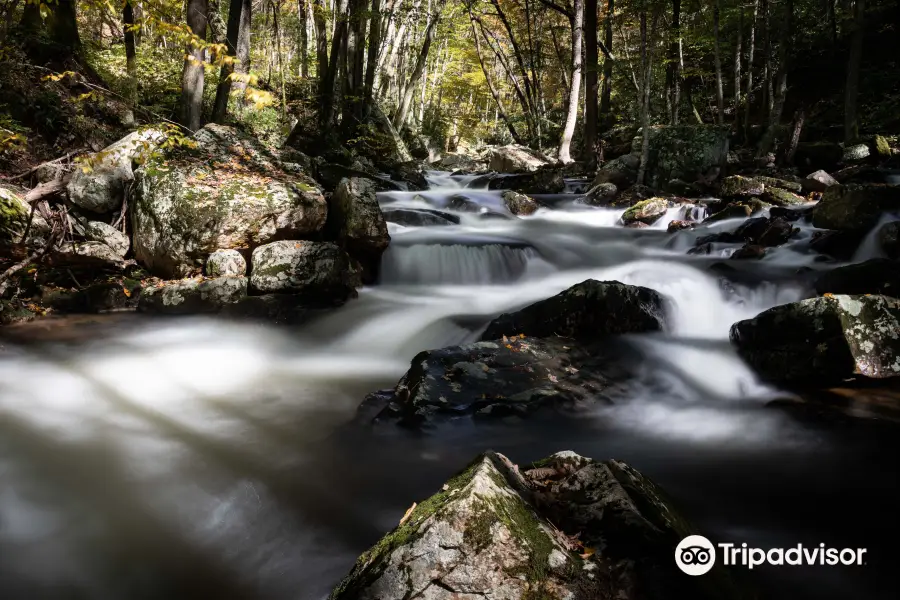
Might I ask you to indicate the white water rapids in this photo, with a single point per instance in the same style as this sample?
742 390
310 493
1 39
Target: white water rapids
198 458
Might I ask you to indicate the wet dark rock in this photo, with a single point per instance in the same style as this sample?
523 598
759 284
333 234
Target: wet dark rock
632 195
854 206
818 181
737 210
782 197
749 251
495 531
701 249
889 239
330 175
546 180
500 378
356 218
790 214
462 204
841 245
823 341
95 298
749 231
586 311
646 211
679 225
622 171
777 232
601 194
416 217
519 204
875 276
410 173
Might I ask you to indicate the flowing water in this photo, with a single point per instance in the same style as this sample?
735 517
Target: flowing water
198 458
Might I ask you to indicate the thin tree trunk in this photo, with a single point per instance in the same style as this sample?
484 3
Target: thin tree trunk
766 106
302 16
242 67
517 54
130 55
645 101
338 47
606 91
374 48
737 71
799 118
768 140
223 91
62 26
191 106
318 11
749 89
564 70
572 115
720 98
590 82
400 117
851 121
673 69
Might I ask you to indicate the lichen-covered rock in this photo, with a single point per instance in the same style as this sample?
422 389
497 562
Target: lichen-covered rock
516 377
228 193
320 271
513 159
14 216
683 151
678 225
855 206
226 262
783 184
519 204
360 225
818 181
419 217
98 231
193 296
855 153
621 171
100 185
646 211
782 197
586 311
91 255
875 276
823 341
493 532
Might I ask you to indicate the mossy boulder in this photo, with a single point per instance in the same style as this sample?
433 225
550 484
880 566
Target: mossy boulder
621 171
586 311
736 186
227 193
646 211
497 531
519 204
14 216
782 197
823 341
685 152
881 146
193 296
320 271
855 206
545 180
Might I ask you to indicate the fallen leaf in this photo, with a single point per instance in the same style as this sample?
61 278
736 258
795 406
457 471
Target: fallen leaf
127 292
588 552
408 513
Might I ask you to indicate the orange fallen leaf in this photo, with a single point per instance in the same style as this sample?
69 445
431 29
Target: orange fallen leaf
127 292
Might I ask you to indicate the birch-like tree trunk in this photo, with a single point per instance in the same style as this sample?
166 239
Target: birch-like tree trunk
574 92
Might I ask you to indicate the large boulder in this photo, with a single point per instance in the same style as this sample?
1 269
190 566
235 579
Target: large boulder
586 311
98 231
226 262
227 193
99 184
361 227
854 206
319 271
621 171
819 181
875 276
193 296
546 180
823 341
685 152
513 159
519 204
646 211
567 528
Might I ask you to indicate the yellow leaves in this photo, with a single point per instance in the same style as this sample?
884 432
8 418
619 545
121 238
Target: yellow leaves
828 295
58 76
127 292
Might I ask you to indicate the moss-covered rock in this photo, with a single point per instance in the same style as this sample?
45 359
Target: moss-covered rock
227 193
823 341
646 211
855 206
736 186
14 217
882 147
519 204
586 311
621 171
685 152
493 531
782 197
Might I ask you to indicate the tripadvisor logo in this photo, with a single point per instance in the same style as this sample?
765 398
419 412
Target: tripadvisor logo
696 555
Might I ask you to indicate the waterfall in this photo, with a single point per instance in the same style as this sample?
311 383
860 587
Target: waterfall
454 264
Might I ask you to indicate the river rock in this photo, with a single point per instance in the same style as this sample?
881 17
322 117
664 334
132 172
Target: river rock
777 232
782 197
227 193
320 271
823 341
632 195
515 377
875 276
586 311
818 181
408 172
545 180
495 531
855 153
193 296
749 251
519 204
97 231
854 206
889 239
683 151
736 186
841 245
601 194
646 211
419 217
361 226
513 159
621 171
226 262
99 186
88 255
679 225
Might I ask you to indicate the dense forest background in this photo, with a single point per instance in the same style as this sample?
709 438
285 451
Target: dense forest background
561 77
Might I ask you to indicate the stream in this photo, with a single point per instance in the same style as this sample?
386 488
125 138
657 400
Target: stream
195 458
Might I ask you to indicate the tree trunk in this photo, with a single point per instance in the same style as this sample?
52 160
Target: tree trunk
130 54
374 48
737 72
720 99
243 46
191 107
799 117
406 99
62 26
673 69
749 89
321 42
590 83
490 83
768 140
645 101
606 92
223 91
302 16
574 93
338 47
851 90
766 105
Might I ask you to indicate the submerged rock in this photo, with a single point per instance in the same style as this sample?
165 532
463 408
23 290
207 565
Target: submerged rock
419 217
193 296
586 311
841 245
875 276
519 204
495 530
823 341
646 211
226 262
855 206
228 193
321 271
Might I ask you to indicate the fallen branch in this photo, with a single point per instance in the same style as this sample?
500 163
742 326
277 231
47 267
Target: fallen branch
36 257
44 164
42 191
